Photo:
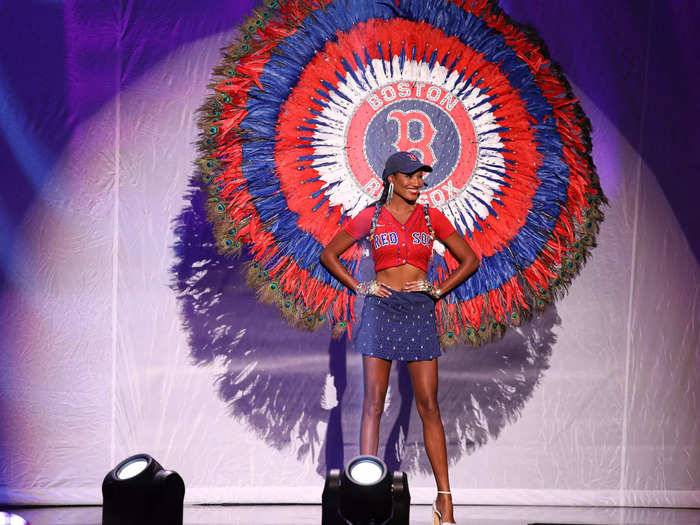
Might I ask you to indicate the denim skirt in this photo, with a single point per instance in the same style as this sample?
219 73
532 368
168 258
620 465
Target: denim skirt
399 327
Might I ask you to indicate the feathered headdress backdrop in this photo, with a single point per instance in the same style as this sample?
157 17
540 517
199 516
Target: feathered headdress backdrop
310 100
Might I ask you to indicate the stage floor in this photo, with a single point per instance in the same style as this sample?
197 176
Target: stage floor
420 514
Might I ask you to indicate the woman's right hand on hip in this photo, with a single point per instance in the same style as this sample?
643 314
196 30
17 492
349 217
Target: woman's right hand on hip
372 287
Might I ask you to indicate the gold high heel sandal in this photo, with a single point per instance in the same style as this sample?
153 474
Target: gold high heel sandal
437 516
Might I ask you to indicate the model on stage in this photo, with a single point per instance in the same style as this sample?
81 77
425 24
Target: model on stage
398 318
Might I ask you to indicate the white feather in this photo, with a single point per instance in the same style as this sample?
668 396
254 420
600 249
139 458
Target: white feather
329 396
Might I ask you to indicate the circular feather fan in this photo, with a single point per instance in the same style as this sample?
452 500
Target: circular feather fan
313 97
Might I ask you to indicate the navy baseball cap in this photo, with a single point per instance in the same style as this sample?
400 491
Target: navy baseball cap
403 162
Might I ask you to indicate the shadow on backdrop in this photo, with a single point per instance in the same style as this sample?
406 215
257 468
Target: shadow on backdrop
304 390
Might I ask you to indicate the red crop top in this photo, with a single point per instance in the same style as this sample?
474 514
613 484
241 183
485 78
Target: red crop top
394 243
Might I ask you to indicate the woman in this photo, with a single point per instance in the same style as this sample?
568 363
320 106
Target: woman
397 322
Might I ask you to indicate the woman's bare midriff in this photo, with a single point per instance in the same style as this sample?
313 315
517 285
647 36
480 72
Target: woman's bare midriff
397 276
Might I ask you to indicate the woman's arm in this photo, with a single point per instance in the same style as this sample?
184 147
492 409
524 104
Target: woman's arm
330 258
468 263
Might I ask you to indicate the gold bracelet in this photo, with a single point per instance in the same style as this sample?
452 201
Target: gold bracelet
367 288
430 289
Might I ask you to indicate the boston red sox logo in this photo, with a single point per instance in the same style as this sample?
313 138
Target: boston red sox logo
427 133
424 119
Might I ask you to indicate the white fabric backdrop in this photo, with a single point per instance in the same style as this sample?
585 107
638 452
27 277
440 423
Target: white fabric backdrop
97 364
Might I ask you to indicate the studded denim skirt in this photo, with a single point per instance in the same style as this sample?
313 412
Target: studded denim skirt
399 327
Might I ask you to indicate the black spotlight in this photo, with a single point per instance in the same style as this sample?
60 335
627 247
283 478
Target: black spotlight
140 492
365 494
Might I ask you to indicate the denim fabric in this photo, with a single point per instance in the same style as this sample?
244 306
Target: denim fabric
399 327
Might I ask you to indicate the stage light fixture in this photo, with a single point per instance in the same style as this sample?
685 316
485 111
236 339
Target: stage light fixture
365 493
139 491
8 518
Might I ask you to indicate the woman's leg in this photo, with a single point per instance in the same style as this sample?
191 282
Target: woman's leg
424 375
376 378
